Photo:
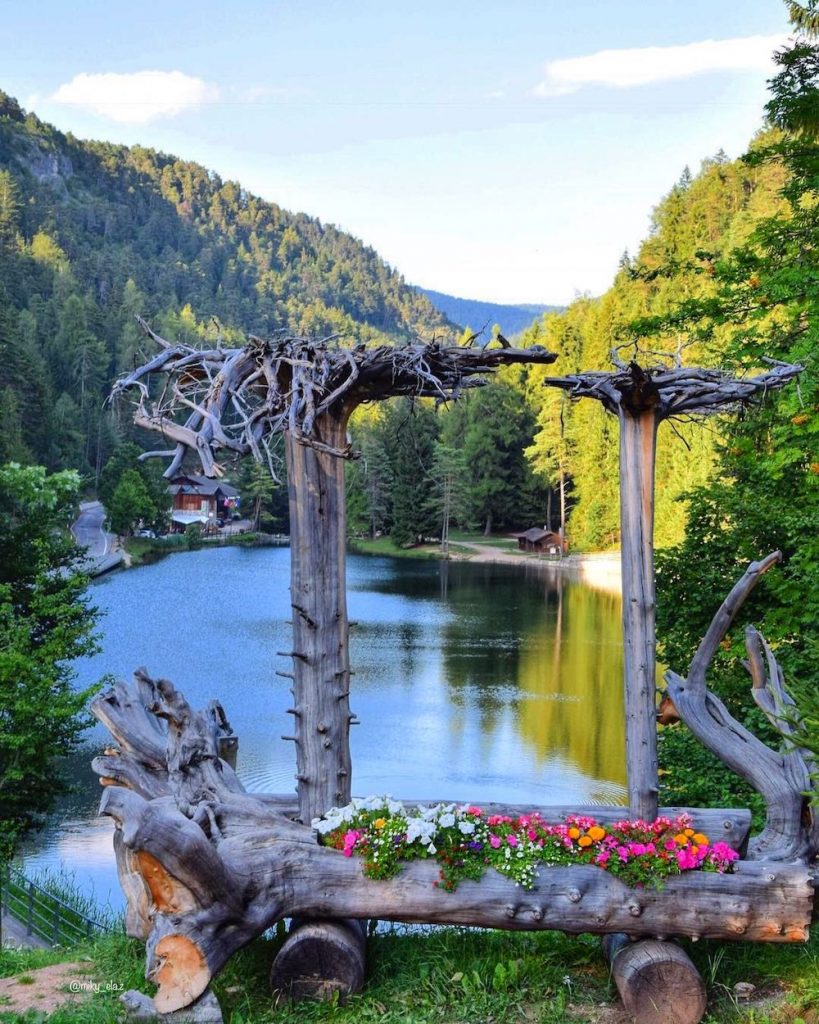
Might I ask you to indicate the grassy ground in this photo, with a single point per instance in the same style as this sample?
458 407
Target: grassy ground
144 550
458 977
385 546
458 546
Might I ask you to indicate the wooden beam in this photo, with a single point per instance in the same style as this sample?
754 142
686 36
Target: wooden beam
638 443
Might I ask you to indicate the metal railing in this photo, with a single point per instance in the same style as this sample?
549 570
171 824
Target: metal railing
42 913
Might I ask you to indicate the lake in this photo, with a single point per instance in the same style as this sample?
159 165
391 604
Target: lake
473 682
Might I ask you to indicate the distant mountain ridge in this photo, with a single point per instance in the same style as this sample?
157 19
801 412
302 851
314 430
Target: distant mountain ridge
474 313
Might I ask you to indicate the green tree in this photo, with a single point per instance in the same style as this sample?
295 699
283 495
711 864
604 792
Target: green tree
130 504
766 495
410 433
45 623
124 459
448 500
499 426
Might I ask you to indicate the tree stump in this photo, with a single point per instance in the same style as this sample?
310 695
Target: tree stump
320 959
656 980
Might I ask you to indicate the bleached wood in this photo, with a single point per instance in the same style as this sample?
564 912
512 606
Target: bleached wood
782 777
638 433
218 866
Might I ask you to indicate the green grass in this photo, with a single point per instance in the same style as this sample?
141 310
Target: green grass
457 976
505 543
385 546
57 891
144 550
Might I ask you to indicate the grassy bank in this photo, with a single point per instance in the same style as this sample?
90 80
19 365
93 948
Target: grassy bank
144 550
458 546
385 546
460 977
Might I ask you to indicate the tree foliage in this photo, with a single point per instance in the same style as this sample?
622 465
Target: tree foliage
45 623
766 492
93 233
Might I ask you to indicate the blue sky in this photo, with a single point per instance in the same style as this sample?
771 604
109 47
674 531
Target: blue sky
502 151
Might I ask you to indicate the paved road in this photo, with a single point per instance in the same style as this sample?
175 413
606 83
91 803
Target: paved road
90 533
89 530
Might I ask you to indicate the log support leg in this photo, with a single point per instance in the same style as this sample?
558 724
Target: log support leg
656 980
320 959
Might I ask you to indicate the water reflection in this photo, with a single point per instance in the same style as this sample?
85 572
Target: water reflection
484 682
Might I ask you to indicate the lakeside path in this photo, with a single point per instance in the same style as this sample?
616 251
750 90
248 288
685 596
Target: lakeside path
101 549
601 571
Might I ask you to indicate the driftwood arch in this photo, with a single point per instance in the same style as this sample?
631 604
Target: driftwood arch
206 866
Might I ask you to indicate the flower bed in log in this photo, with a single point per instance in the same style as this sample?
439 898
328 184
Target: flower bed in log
466 842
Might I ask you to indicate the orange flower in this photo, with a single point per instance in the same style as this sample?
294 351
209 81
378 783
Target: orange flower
689 832
700 839
380 822
680 839
597 833
574 832
584 841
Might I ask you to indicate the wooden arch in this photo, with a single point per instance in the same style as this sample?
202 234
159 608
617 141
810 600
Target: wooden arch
206 866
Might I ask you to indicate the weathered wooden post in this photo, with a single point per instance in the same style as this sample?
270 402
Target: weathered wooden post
318 597
642 397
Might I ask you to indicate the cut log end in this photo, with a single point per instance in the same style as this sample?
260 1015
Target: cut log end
656 980
319 960
181 973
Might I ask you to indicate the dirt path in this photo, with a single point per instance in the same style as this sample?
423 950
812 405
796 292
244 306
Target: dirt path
46 989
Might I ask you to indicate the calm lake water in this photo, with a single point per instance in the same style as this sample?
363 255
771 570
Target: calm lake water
473 682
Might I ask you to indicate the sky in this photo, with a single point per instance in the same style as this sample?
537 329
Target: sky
504 151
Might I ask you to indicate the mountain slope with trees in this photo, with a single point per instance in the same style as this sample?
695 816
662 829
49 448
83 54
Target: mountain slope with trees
93 233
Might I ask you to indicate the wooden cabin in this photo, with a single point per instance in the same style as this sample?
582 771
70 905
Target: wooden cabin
199 499
542 542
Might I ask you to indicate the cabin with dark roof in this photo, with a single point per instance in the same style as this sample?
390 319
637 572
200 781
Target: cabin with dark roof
199 499
542 542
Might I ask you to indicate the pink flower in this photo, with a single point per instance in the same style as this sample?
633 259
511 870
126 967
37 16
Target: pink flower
476 811
532 834
512 840
494 840
686 860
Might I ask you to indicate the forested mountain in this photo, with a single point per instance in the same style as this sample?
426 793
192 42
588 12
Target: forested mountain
474 314
701 220
92 233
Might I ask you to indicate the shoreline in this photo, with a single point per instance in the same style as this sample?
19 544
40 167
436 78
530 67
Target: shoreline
601 571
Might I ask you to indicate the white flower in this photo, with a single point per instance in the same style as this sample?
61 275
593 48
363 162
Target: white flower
466 827
432 848
447 820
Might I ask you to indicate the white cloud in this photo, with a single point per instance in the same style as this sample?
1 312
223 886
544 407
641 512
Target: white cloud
136 98
625 69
